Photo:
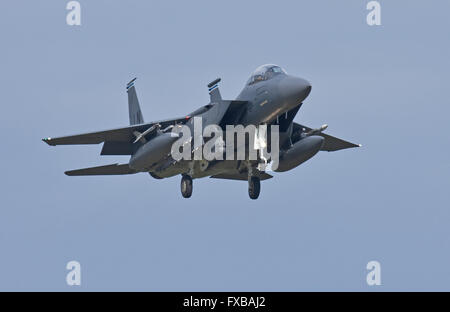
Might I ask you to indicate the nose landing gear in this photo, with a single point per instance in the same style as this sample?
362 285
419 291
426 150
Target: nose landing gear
254 187
186 186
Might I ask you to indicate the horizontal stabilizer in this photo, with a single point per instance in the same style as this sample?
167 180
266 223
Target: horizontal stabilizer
114 169
240 176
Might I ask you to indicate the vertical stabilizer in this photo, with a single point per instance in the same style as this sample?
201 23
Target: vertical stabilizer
214 93
133 105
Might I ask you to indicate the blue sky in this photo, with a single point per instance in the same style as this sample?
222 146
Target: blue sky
313 228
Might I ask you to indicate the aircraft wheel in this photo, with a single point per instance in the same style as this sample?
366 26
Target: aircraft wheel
186 186
254 187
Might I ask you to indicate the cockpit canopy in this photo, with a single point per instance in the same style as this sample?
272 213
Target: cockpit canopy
265 72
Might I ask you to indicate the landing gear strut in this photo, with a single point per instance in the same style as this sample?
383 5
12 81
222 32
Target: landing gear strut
254 187
186 186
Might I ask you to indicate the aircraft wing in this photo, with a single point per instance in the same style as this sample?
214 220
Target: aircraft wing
124 135
331 143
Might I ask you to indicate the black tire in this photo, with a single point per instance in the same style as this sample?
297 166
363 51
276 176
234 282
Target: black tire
254 187
186 186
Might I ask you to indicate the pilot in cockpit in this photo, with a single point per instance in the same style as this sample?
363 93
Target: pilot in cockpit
265 72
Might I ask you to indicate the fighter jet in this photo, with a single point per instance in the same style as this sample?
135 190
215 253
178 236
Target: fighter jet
270 97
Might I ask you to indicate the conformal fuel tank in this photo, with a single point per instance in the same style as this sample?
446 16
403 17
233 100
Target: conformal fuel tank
153 151
300 152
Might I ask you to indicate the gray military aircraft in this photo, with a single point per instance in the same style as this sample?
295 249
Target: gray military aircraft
270 97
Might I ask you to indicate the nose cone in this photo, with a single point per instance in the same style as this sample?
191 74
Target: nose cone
294 90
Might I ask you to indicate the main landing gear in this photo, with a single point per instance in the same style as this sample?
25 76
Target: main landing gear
186 186
254 187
